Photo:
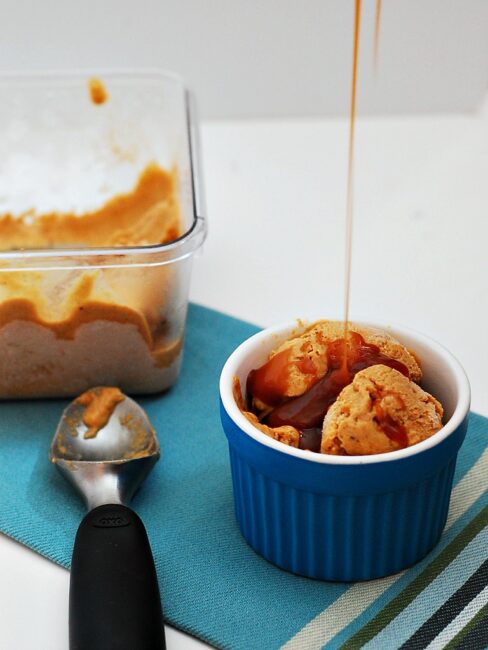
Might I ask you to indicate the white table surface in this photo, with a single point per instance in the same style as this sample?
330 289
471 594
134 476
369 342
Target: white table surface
276 197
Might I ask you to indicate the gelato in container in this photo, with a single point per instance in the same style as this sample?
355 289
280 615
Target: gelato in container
100 215
347 514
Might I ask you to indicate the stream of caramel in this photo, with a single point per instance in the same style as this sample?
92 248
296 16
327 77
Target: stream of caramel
350 163
377 26
350 175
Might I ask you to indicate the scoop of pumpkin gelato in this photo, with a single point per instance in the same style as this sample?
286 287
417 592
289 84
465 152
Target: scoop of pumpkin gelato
306 356
380 411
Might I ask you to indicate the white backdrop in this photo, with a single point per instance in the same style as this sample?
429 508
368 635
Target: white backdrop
421 192
276 58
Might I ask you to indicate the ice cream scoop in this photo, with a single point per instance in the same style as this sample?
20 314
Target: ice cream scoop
105 446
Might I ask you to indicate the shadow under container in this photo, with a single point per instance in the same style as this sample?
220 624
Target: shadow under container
73 316
344 518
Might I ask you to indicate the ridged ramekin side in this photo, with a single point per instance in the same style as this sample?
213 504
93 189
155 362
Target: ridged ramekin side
342 538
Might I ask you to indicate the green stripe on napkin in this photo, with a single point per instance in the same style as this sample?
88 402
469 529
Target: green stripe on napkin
400 602
471 593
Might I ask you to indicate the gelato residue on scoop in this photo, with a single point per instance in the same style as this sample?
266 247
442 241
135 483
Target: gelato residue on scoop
308 395
99 405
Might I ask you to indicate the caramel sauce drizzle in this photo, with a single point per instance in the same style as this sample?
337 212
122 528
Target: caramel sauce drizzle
306 412
377 26
346 356
395 430
350 176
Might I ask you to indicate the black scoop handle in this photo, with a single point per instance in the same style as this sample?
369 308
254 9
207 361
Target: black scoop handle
114 598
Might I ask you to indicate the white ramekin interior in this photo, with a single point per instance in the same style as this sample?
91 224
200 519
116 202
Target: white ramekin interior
443 376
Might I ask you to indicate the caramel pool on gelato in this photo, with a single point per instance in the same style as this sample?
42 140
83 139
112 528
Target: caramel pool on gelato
317 393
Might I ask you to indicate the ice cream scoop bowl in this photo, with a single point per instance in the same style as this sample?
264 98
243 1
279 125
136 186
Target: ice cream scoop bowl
114 593
343 518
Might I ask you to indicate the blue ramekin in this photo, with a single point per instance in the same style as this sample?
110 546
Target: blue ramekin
344 518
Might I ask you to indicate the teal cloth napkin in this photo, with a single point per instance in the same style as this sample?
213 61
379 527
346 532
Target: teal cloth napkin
212 584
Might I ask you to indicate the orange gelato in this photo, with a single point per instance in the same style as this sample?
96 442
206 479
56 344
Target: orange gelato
63 330
319 392
99 405
381 410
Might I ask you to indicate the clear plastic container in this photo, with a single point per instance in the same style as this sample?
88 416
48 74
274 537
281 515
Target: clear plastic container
74 315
